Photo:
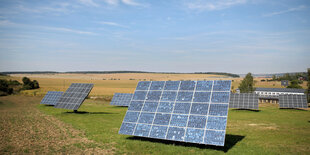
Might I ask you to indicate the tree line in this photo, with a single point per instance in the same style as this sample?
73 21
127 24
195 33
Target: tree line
8 87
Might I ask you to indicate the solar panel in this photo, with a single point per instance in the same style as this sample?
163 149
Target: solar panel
74 96
121 99
293 101
186 111
51 97
244 101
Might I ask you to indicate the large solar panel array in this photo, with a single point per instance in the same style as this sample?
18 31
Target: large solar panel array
74 96
51 98
244 101
121 99
187 111
293 101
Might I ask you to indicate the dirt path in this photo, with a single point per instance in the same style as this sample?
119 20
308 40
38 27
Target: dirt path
25 130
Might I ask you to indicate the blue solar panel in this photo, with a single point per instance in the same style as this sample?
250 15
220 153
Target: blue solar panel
51 98
187 111
74 96
121 99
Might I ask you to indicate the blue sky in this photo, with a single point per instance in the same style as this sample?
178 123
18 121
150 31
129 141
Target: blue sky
237 36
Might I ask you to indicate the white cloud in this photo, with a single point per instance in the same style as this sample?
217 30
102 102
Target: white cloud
299 8
214 5
133 3
112 24
7 23
68 30
89 3
111 2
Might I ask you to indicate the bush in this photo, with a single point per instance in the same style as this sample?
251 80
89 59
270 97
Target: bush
4 88
28 84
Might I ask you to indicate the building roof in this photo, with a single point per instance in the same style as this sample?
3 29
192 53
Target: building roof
291 90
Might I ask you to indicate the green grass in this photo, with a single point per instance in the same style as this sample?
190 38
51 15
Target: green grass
268 131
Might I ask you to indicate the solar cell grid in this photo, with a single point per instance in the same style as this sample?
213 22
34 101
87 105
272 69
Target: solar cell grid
74 96
244 101
293 101
121 99
51 98
187 111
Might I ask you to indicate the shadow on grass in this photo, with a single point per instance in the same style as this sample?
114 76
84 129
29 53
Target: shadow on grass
120 107
230 141
246 110
85 112
49 105
297 109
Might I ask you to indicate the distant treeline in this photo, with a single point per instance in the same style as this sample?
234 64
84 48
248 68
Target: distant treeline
219 73
113 72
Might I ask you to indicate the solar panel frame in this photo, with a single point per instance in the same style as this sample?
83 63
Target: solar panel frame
121 99
74 96
244 101
51 97
293 101
194 128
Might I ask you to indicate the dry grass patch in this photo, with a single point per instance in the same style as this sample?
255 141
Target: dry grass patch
24 129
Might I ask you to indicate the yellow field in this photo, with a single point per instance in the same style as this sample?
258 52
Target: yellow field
108 84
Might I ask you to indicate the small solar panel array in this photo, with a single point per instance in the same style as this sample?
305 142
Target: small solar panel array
51 98
74 96
121 99
244 101
187 111
293 101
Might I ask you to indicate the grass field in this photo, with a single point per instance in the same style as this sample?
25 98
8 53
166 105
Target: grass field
268 131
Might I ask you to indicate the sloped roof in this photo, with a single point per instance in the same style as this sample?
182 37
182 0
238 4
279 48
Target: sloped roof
291 90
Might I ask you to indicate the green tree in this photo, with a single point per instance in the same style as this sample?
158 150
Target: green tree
28 84
294 84
274 78
4 88
35 84
308 90
247 84
26 81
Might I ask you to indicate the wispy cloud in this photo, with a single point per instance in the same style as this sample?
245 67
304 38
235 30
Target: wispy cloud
7 23
55 7
68 30
299 8
214 5
126 2
111 2
89 3
112 24
133 3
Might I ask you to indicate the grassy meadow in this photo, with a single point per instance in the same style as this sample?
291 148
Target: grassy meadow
268 131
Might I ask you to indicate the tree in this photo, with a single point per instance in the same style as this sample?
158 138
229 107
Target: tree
247 84
4 88
308 90
26 81
28 84
274 78
294 84
35 84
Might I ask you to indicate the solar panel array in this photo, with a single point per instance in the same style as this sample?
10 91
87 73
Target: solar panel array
74 96
51 97
244 101
187 111
293 101
121 99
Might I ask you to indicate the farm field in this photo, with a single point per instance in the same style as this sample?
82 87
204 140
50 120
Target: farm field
126 84
33 128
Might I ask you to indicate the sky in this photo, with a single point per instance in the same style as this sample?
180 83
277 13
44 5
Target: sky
235 36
